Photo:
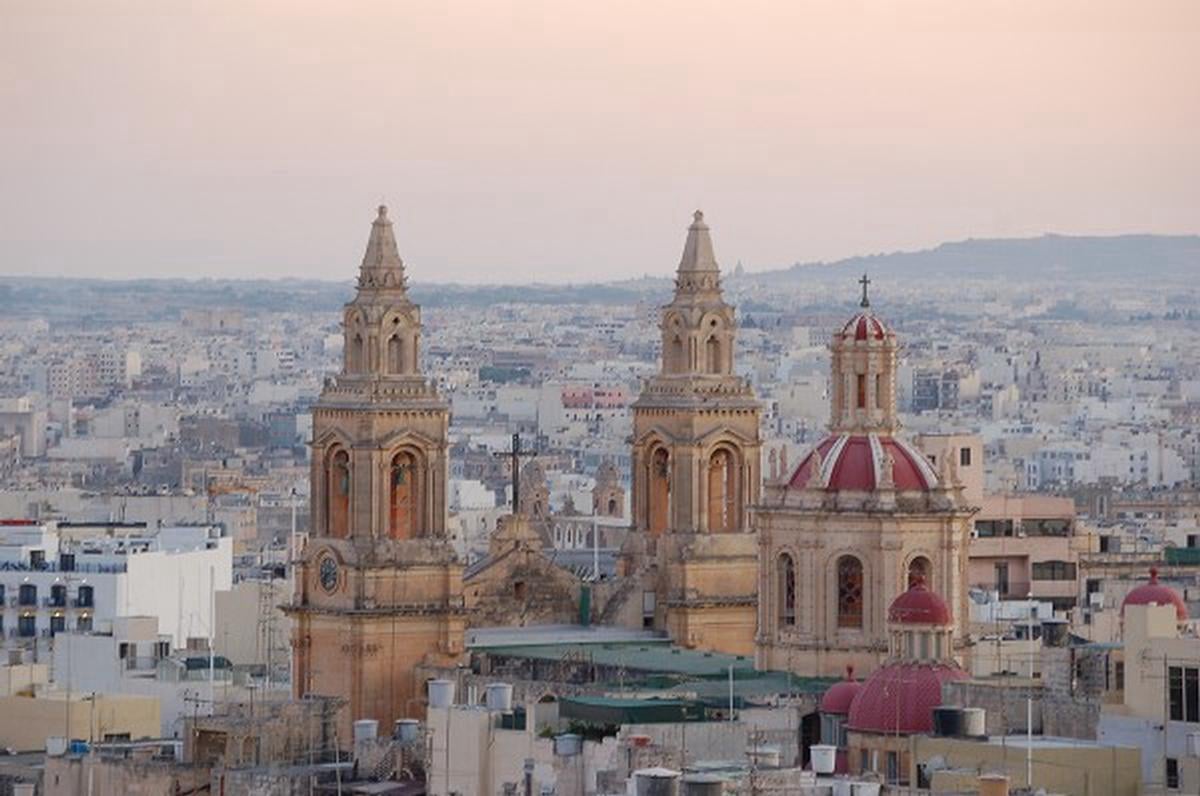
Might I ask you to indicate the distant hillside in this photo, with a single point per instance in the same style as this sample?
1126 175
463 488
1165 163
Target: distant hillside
1083 257
83 302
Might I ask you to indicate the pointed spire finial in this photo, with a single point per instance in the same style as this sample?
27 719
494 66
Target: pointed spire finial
865 282
698 250
381 263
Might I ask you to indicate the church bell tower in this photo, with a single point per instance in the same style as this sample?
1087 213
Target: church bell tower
378 588
696 467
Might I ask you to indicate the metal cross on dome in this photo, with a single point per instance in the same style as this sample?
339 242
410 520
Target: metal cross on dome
865 282
514 455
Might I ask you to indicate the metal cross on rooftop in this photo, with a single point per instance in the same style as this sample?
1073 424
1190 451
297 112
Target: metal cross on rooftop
865 282
514 455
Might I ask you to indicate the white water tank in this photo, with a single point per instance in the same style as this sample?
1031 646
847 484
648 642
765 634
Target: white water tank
824 758
974 722
498 696
567 744
406 730
365 730
56 745
703 785
441 693
656 782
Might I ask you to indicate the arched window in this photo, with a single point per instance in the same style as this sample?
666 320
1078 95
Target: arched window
849 592
919 569
27 594
878 391
677 356
659 487
712 355
338 490
356 354
612 507
395 354
862 391
405 497
723 514
786 578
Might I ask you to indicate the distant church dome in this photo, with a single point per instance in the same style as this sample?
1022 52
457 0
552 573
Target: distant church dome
1155 593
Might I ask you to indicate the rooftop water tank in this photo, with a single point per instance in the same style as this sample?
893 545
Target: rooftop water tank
824 758
441 693
947 721
406 730
498 696
656 782
974 722
365 730
703 785
568 744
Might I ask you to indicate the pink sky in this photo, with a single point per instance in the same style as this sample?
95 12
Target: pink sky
571 141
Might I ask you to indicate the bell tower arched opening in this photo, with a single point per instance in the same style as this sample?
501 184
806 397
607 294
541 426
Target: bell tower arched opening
338 492
658 505
724 486
405 496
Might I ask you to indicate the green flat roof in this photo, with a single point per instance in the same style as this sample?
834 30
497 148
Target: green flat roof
638 656
675 669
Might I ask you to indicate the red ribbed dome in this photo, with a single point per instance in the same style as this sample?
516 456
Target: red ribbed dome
853 462
864 326
841 694
919 606
1155 593
900 697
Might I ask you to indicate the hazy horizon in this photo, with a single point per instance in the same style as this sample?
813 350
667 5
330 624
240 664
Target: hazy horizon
567 142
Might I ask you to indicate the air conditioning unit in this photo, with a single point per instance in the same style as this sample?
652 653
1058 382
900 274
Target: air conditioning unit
1096 599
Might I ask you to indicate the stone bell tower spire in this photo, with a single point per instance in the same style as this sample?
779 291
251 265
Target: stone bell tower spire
382 268
381 325
697 326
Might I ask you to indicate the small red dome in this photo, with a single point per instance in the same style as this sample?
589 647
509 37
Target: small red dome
841 694
1155 593
919 606
864 326
853 462
900 697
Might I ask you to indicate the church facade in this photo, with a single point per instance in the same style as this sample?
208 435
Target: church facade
378 587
